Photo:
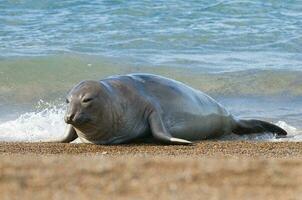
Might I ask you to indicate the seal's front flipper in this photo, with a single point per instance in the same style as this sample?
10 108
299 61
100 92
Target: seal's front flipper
69 135
159 131
257 126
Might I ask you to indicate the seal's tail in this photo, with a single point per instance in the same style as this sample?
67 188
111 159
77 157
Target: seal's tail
257 126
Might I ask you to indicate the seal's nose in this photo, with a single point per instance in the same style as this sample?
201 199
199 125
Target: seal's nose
69 118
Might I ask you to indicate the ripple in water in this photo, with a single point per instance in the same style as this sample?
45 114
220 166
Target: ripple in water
253 34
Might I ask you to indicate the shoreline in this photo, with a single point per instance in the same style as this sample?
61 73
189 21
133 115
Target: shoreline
209 148
206 170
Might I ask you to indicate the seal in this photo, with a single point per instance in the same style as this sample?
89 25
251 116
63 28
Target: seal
121 109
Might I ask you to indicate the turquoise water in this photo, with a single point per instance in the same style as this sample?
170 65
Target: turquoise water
214 35
246 53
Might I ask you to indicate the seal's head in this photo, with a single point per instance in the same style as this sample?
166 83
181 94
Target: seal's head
85 102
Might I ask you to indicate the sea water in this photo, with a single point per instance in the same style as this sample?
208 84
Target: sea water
246 54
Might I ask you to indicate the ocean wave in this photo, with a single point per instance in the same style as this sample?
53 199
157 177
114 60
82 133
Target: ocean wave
37 126
26 80
133 28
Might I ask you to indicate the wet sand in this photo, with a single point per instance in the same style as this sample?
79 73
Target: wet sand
206 170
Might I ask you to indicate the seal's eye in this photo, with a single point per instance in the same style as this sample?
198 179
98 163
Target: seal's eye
86 100
67 101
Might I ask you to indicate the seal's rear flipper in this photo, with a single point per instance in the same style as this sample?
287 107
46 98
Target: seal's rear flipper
257 126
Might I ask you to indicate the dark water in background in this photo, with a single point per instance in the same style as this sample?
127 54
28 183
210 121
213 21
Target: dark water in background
247 54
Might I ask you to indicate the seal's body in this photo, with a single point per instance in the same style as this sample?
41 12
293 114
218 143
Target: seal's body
120 109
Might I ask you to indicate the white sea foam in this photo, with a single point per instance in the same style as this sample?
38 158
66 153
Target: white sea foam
294 134
42 125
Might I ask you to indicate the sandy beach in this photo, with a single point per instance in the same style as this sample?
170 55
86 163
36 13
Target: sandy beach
206 170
